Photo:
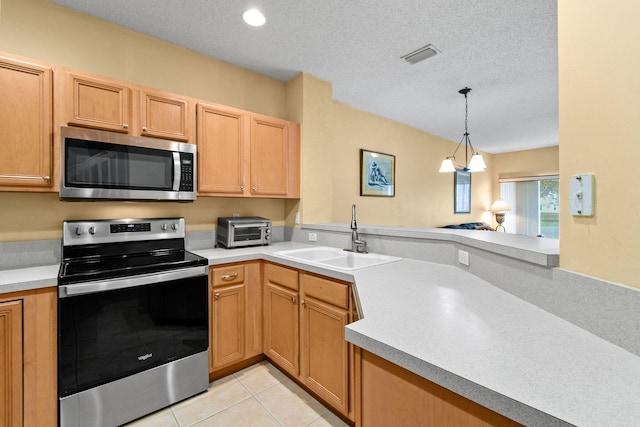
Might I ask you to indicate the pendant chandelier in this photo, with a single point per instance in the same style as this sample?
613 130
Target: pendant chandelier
476 164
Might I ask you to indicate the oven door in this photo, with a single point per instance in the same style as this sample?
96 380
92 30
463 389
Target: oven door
112 329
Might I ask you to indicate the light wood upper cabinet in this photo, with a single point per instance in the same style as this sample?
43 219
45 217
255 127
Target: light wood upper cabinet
25 125
246 155
269 156
163 115
96 102
11 363
222 147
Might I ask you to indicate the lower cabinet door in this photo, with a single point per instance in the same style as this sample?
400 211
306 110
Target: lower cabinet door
325 355
11 405
228 325
281 341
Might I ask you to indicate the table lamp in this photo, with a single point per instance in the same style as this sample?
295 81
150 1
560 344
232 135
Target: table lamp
499 207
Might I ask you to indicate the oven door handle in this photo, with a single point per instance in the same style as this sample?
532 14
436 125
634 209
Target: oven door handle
129 282
257 224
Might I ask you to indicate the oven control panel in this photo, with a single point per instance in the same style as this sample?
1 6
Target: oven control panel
121 230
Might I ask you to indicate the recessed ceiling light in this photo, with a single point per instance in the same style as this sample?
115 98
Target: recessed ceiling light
254 17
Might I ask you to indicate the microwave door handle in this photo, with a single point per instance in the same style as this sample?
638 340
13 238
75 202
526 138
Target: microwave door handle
176 171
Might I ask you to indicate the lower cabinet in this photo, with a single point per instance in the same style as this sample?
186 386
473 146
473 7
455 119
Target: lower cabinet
324 351
28 390
304 320
391 395
281 317
11 363
235 307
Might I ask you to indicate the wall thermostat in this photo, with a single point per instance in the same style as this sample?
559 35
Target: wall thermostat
581 194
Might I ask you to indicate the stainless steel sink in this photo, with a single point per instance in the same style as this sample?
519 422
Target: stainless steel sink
336 257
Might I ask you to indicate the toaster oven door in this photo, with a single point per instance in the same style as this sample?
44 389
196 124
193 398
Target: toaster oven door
247 234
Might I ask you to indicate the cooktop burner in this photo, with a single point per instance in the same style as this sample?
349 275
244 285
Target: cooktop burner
102 268
105 249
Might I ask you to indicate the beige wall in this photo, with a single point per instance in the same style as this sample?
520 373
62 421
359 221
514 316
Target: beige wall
599 75
334 133
541 161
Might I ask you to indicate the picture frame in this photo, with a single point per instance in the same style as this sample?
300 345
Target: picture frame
377 174
461 192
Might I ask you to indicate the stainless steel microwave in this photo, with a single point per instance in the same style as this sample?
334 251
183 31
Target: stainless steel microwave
236 232
97 164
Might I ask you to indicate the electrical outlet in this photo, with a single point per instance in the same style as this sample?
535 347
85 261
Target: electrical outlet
463 257
313 237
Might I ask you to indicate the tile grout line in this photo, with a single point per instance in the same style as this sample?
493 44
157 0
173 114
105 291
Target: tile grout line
255 397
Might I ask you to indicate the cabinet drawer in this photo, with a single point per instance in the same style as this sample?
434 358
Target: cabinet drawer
325 290
282 276
227 275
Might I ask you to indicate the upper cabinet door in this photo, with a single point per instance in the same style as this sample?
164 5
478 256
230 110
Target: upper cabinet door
98 103
163 115
221 150
269 156
25 125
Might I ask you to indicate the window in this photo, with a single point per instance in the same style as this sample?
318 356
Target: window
534 205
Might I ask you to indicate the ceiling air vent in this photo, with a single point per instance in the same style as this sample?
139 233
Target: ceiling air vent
421 54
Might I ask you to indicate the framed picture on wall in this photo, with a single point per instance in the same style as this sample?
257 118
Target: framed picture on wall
461 192
377 174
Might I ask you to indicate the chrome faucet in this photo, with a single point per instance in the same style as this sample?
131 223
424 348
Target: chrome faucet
357 244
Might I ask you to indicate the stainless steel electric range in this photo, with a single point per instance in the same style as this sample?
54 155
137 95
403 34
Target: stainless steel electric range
132 320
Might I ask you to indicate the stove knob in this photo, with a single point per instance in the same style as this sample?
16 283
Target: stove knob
92 230
174 226
79 231
163 227
267 237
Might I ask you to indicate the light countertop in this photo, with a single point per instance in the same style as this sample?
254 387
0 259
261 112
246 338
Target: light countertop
467 335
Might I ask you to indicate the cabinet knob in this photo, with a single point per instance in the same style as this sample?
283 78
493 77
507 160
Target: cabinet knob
302 302
144 129
47 178
125 126
253 189
229 276
293 300
217 295
242 187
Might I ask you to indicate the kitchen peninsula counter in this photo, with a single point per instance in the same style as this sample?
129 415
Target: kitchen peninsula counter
457 330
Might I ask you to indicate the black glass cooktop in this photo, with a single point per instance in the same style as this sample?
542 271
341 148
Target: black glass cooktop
84 269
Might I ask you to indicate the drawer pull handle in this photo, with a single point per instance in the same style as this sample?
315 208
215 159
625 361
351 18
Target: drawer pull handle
217 295
229 276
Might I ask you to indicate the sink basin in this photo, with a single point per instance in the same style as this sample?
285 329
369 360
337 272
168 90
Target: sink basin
336 258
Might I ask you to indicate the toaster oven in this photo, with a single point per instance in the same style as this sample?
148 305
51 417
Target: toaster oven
234 232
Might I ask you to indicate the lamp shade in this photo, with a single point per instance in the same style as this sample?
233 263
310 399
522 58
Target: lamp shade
447 165
477 163
500 206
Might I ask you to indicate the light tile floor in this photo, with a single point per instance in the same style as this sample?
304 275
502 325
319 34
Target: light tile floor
259 395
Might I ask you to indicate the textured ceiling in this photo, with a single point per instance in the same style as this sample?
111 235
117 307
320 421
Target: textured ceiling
505 50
